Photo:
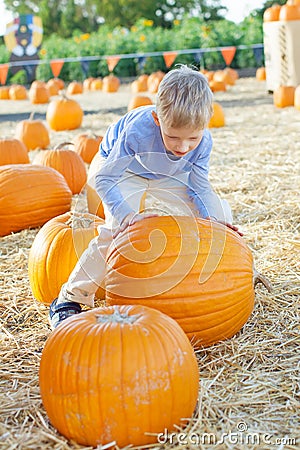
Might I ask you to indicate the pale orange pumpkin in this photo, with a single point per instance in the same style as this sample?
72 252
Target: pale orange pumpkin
197 271
4 93
53 86
260 74
121 374
111 83
67 162
33 133
87 145
30 196
13 151
64 113
224 76
75 87
154 80
96 84
39 93
283 96
139 100
271 14
87 83
289 12
217 85
218 118
55 251
140 84
17 92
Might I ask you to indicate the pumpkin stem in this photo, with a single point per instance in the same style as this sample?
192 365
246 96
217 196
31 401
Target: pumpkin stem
259 278
117 317
77 220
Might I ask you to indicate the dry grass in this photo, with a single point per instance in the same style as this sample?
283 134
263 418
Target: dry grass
250 383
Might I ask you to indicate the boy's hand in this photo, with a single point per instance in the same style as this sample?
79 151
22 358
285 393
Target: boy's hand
130 219
229 225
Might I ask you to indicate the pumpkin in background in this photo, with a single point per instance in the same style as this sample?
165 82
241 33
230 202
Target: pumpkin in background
111 83
232 72
154 80
13 151
297 97
289 11
55 251
75 87
4 93
121 374
218 118
53 86
197 271
64 113
94 202
87 145
139 100
67 162
140 84
87 83
39 93
223 76
33 133
17 92
271 14
96 84
260 74
283 96
217 85
30 196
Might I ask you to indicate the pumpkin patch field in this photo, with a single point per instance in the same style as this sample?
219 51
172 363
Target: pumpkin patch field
245 386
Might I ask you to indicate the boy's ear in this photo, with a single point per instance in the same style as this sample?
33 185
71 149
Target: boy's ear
156 120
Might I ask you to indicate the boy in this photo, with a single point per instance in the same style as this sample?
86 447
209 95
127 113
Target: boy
157 156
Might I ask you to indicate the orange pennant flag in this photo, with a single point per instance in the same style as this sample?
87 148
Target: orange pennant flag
228 54
169 58
3 72
112 61
56 66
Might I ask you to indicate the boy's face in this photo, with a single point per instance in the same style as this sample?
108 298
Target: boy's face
179 141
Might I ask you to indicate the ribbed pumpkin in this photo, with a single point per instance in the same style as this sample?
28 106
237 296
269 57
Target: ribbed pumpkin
75 87
64 114
30 196
111 83
197 271
218 117
17 92
33 133
87 145
55 251
119 374
39 93
139 100
13 151
67 162
260 74
283 96
95 205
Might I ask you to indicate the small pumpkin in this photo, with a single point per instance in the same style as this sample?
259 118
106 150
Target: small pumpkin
271 14
121 374
87 83
139 100
217 85
224 76
67 162
75 87
283 96
53 86
154 80
289 11
64 113
140 84
39 93
13 151
17 92
87 145
218 118
111 83
55 251
96 84
4 93
30 196
33 133
197 271
260 74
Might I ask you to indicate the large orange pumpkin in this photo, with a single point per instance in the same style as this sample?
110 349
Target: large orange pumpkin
67 162
121 374
64 114
87 145
139 100
13 151
33 133
197 271
55 251
30 196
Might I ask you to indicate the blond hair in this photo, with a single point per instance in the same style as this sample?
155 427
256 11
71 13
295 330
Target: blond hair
184 99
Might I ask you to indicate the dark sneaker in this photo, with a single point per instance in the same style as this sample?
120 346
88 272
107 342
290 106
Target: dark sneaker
61 311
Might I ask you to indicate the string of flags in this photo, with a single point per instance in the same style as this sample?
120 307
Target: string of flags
56 65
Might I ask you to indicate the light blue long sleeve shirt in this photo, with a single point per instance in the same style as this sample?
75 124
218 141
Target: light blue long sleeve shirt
135 144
